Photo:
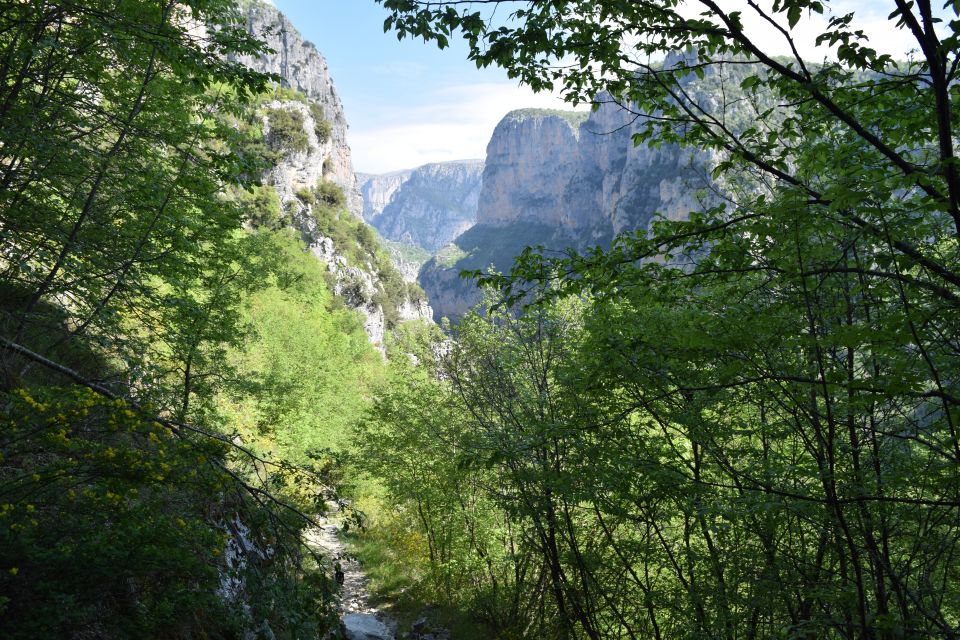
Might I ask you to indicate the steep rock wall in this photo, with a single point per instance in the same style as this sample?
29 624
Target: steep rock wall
301 67
564 179
378 190
433 205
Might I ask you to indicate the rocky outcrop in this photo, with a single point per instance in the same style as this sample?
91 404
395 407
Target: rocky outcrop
565 179
427 207
300 169
378 190
320 156
532 157
301 67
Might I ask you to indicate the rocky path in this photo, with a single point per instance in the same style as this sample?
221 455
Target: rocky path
360 620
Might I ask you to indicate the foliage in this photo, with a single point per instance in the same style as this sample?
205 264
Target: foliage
124 262
112 524
752 431
363 248
469 473
262 207
321 126
105 521
311 356
330 194
409 253
287 133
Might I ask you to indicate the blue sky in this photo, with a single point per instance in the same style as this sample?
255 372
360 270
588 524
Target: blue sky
409 103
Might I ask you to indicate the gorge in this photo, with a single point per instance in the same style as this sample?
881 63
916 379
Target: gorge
703 379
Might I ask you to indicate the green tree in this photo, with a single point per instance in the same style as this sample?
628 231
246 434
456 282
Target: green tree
123 265
767 408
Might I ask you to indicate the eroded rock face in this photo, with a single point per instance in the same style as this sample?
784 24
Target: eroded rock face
378 190
426 207
300 169
567 180
531 159
302 67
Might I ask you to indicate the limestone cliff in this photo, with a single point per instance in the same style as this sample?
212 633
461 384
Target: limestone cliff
306 130
567 179
378 190
427 207
302 68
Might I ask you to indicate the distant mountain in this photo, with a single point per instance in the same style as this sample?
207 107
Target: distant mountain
377 190
567 179
426 207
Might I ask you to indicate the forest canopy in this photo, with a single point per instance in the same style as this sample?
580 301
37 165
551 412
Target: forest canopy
740 423
133 503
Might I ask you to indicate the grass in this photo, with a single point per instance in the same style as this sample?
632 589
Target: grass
449 256
484 245
407 252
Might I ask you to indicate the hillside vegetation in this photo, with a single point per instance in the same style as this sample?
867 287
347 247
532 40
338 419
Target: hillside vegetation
739 421
177 379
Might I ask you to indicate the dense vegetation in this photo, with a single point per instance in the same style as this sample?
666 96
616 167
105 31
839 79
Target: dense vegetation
174 370
740 425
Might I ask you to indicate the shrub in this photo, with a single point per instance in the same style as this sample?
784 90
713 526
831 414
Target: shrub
321 126
109 522
330 194
306 196
262 207
286 131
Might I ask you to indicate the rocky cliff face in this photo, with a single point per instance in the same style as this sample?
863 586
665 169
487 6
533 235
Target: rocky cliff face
532 157
302 68
562 179
378 190
320 157
427 207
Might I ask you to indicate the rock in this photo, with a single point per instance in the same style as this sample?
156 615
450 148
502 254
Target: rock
422 630
427 207
366 626
378 190
570 179
531 159
301 67
420 626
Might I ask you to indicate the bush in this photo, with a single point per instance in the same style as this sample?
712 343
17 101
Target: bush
306 196
287 131
109 522
262 207
321 126
330 194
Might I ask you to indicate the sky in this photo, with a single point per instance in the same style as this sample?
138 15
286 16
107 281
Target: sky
408 103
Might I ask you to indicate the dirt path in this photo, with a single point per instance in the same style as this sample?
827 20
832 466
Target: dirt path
361 620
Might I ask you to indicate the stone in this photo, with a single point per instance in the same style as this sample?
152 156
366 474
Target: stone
427 207
366 626
570 179
301 66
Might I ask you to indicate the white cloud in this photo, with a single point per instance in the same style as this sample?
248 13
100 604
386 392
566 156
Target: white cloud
456 122
453 123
